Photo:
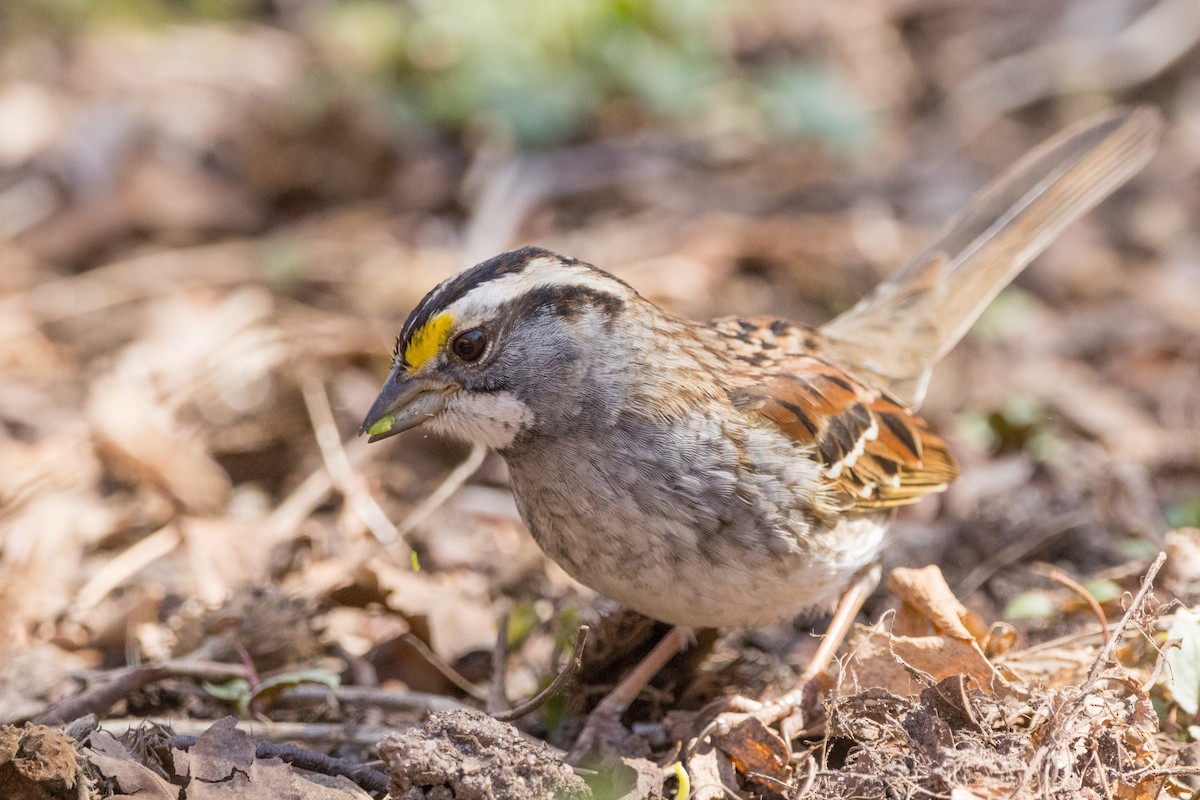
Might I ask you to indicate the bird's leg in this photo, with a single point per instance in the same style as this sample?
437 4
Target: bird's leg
802 698
605 718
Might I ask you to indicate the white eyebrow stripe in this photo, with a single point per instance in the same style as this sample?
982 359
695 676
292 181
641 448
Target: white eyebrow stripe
540 272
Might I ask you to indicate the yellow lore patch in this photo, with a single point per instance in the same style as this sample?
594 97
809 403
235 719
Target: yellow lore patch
427 341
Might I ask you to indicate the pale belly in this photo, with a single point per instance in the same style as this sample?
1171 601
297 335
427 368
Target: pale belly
685 532
736 593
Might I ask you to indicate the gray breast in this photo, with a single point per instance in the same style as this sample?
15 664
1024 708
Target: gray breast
650 498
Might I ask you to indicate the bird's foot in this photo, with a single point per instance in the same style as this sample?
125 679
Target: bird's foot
758 736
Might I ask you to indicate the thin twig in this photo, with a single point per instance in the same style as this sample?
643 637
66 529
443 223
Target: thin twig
1106 653
1097 767
116 570
497 699
125 681
1065 641
1063 579
307 495
809 777
372 780
457 477
329 440
367 697
539 699
1017 549
1161 659
449 672
1042 763
1168 771
337 733
99 699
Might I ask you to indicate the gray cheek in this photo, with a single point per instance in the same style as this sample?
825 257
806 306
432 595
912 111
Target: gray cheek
551 370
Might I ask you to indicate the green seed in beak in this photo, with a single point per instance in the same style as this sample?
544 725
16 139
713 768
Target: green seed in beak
383 425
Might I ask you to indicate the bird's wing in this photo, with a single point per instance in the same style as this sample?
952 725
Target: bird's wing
874 451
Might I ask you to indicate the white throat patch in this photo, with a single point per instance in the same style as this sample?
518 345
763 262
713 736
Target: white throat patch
492 420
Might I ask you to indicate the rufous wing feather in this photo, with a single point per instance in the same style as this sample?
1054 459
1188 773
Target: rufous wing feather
873 450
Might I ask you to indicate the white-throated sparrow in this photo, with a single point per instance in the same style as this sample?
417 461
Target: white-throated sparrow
734 472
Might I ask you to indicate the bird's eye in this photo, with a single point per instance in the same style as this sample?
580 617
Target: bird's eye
469 345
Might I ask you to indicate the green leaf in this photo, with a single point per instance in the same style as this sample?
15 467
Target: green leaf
231 691
974 429
1185 514
522 619
567 629
269 690
1103 589
1133 549
1033 604
1006 316
803 99
1022 411
239 693
1183 676
236 692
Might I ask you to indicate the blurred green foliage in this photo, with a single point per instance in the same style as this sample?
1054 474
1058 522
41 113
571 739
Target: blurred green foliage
1033 604
61 17
1023 423
532 72
543 72
1185 514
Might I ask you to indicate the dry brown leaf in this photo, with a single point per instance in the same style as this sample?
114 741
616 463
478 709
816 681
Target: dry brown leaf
24 349
40 542
135 780
1148 789
223 766
224 554
50 510
961 793
712 774
905 665
217 754
758 751
1181 572
457 605
928 601
134 428
1049 667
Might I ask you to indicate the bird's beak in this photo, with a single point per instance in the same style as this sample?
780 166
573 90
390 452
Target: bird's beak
403 404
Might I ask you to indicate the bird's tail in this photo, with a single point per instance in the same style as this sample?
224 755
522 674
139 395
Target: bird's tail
901 329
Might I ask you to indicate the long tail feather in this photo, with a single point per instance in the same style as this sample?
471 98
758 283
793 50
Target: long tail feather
898 332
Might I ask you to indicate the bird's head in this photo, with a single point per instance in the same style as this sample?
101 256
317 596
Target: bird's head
514 346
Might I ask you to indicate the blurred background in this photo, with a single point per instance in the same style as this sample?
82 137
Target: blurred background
215 215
